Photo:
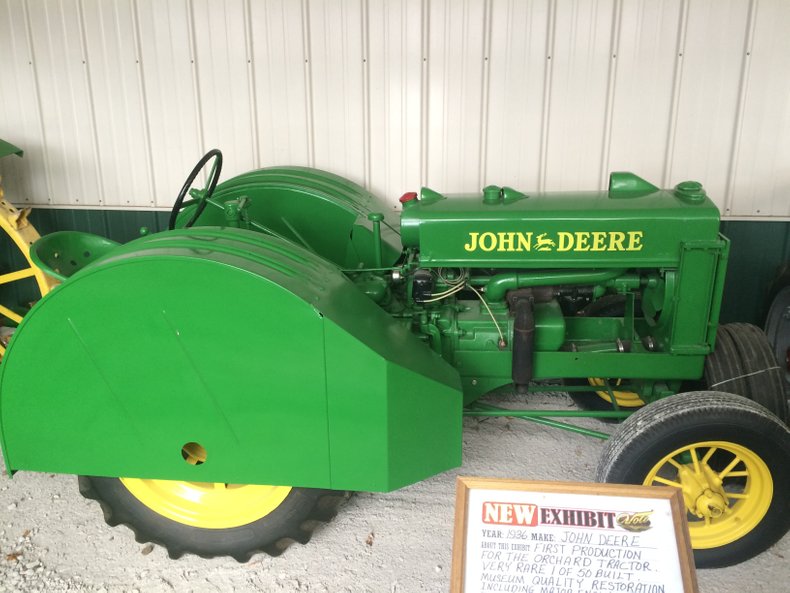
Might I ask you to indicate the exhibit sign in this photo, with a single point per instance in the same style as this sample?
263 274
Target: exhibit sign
515 536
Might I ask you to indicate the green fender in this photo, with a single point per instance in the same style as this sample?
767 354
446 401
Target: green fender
257 349
317 210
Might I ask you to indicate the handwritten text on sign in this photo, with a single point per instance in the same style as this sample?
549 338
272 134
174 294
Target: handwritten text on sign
559 542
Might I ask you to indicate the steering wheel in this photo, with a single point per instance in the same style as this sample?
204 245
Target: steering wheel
200 196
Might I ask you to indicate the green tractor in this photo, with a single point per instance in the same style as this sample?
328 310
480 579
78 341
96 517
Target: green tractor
218 385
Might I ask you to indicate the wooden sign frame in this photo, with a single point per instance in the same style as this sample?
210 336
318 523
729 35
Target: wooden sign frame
581 490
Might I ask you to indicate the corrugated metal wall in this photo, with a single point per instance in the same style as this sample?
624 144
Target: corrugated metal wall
114 100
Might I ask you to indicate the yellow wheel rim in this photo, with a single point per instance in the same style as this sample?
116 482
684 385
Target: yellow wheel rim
727 489
205 504
15 224
624 399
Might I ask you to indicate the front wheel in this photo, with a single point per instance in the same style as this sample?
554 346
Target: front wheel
211 519
729 456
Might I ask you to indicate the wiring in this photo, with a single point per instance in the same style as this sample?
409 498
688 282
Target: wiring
461 279
482 300
443 295
458 284
455 284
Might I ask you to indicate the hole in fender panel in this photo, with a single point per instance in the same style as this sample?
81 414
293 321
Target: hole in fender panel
194 453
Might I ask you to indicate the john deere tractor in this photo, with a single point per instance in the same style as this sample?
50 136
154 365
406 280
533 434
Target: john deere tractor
288 339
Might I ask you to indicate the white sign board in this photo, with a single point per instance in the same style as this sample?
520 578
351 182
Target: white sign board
516 536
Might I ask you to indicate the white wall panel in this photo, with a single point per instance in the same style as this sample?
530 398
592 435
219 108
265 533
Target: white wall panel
117 101
20 113
761 167
171 98
642 112
395 68
709 89
280 82
518 69
224 87
114 100
336 69
456 53
581 61
66 103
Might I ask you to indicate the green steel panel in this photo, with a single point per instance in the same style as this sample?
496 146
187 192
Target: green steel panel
551 365
176 371
312 208
477 332
693 297
425 425
556 230
359 436
390 425
217 336
274 342
6 148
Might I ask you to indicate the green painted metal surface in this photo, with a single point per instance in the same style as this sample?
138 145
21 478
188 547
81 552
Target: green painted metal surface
416 429
64 253
219 336
6 149
301 340
497 286
545 417
658 249
693 328
557 230
315 209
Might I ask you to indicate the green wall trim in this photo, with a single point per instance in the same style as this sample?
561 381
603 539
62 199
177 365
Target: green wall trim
758 252
119 225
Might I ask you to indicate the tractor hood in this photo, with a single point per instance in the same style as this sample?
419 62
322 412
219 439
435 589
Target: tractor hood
634 223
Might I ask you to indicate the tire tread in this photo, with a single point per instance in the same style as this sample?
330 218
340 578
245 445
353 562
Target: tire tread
324 505
744 364
642 435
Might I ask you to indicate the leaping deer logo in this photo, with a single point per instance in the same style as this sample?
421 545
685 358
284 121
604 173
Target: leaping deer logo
543 243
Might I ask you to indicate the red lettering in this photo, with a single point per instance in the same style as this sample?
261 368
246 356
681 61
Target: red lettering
510 513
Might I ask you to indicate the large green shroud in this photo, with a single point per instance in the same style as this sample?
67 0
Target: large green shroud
260 351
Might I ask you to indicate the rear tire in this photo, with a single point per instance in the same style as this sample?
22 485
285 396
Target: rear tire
747 503
291 519
777 329
743 363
